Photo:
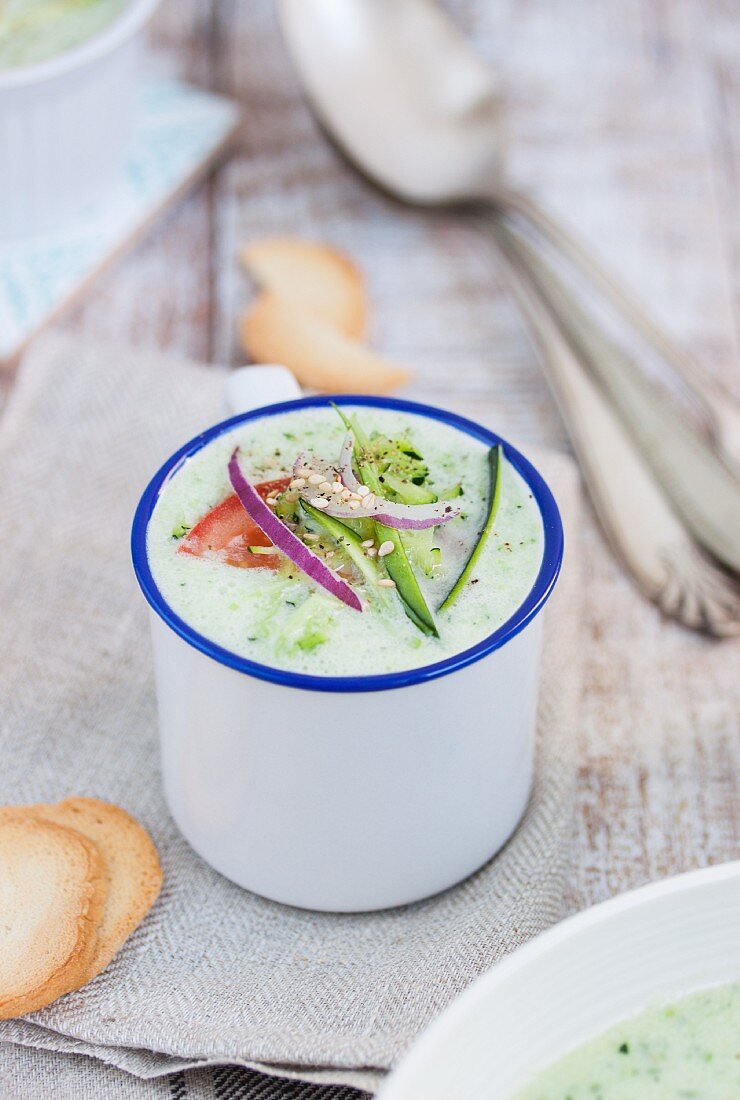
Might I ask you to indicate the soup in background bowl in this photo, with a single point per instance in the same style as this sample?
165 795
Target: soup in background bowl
35 30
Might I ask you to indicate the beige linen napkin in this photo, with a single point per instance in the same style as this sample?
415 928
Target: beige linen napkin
215 975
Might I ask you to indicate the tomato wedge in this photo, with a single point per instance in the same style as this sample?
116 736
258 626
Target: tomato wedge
230 530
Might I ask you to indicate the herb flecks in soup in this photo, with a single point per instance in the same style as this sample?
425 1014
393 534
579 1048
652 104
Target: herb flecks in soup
355 541
35 30
689 1050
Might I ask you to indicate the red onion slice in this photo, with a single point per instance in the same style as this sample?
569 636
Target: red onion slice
345 463
285 540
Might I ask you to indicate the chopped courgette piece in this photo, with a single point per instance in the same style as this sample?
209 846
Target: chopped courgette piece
495 465
306 627
452 492
405 491
425 554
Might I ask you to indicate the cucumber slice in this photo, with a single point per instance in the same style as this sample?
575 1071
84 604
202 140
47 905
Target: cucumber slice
397 563
348 539
495 465
405 491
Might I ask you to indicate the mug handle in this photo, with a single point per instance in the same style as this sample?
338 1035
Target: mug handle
248 388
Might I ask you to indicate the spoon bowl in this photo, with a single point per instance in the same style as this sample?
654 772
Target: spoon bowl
402 95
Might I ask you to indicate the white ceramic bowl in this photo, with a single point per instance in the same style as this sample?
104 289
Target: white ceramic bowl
575 981
348 793
65 125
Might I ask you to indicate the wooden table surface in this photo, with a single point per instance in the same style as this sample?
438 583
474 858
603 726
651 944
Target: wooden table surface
625 120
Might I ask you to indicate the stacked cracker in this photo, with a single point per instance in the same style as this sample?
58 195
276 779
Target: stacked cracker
76 879
311 316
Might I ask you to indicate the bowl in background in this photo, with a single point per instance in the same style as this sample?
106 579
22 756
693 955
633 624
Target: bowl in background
65 125
574 982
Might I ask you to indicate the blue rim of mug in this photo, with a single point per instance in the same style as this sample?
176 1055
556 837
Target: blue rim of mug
533 603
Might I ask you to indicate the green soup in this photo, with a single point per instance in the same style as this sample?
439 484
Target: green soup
280 617
35 30
688 1050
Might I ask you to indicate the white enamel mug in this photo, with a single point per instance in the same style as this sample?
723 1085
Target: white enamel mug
348 793
575 981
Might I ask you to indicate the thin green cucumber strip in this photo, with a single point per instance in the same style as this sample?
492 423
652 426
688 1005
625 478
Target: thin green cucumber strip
402 574
348 538
495 465
397 563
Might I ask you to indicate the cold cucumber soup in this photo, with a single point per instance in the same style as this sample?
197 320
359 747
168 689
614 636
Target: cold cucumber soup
689 1050
345 542
35 30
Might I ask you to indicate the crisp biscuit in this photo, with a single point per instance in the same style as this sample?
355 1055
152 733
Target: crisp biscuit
277 330
313 275
134 874
52 895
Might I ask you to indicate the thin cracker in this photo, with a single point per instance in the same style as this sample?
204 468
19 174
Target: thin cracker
134 873
315 276
52 896
277 330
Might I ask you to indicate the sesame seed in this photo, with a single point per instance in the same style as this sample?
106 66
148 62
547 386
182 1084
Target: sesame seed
315 479
368 542
339 568
371 551
386 582
305 471
330 553
325 486
311 537
319 502
337 486
385 548
363 491
369 500
353 504
297 483
346 494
